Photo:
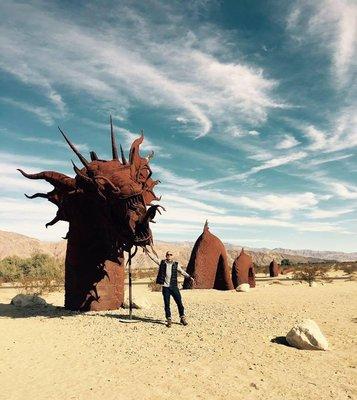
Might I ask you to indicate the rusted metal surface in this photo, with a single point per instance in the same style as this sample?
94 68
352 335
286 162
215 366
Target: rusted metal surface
274 269
108 207
208 264
243 270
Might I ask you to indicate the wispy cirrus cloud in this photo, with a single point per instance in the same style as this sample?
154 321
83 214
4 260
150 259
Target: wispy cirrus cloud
274 162
189 193
322 214
328 160
330 24
335 188
51 142
341 135
183 214
177 72
344 190
20 160
287 142
42 113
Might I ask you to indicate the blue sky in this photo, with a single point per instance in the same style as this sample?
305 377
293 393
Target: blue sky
250 107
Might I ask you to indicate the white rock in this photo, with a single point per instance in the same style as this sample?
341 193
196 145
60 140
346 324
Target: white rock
243 287
28 300
307 336
139 302
313 284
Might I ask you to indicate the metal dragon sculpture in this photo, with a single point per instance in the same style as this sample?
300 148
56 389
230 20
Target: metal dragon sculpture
108 205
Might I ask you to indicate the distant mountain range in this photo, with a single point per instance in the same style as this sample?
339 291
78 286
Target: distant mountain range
23 246
325 255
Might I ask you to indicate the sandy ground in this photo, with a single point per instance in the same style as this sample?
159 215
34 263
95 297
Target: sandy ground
226 352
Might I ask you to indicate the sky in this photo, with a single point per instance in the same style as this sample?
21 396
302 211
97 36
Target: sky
250 107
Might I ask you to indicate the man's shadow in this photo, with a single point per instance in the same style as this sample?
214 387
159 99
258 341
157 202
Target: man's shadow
125 317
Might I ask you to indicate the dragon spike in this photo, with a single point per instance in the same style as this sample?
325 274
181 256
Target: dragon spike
134 157
73 147
43 195
205 228
123 159
81 174
54 221
93 156
152 249
76 169
114 145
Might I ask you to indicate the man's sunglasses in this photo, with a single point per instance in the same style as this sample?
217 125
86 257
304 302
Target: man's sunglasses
169 254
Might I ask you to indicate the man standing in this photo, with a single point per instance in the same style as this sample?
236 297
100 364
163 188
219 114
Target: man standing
167 277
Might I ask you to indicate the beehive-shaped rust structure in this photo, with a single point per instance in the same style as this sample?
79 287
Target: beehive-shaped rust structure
208 264
108 207
243 270
274 269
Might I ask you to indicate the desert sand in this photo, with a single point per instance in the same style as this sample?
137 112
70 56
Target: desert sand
226 352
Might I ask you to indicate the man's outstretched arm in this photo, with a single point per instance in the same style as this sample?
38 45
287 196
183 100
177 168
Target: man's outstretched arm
183 272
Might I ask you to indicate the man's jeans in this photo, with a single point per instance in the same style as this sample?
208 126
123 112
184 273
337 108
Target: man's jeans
175 293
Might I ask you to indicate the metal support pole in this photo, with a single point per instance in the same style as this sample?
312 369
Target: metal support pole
130 292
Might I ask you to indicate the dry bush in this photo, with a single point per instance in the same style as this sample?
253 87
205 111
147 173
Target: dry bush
10 269
309 273
349 268
153 286
38 274
38 287
144 273
260 269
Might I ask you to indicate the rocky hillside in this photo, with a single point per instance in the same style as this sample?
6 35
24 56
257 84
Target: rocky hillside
23 246
324 255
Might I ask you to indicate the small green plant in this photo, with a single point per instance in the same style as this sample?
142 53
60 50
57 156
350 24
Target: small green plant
309 274
10 270
39 273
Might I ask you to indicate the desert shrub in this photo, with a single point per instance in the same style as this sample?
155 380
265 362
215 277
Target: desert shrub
10 270
260 269
348 268
285 261
39 273
43 266
153 286
309 273
144 273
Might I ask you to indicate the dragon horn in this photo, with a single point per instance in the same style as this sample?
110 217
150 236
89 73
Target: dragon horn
123 159
114 145
54 178
73 147
93 156
34 196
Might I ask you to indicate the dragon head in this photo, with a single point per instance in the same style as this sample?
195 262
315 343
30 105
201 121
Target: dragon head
116 194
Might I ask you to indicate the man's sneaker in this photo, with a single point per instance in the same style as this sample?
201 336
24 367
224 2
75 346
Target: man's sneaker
183 321
169 322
